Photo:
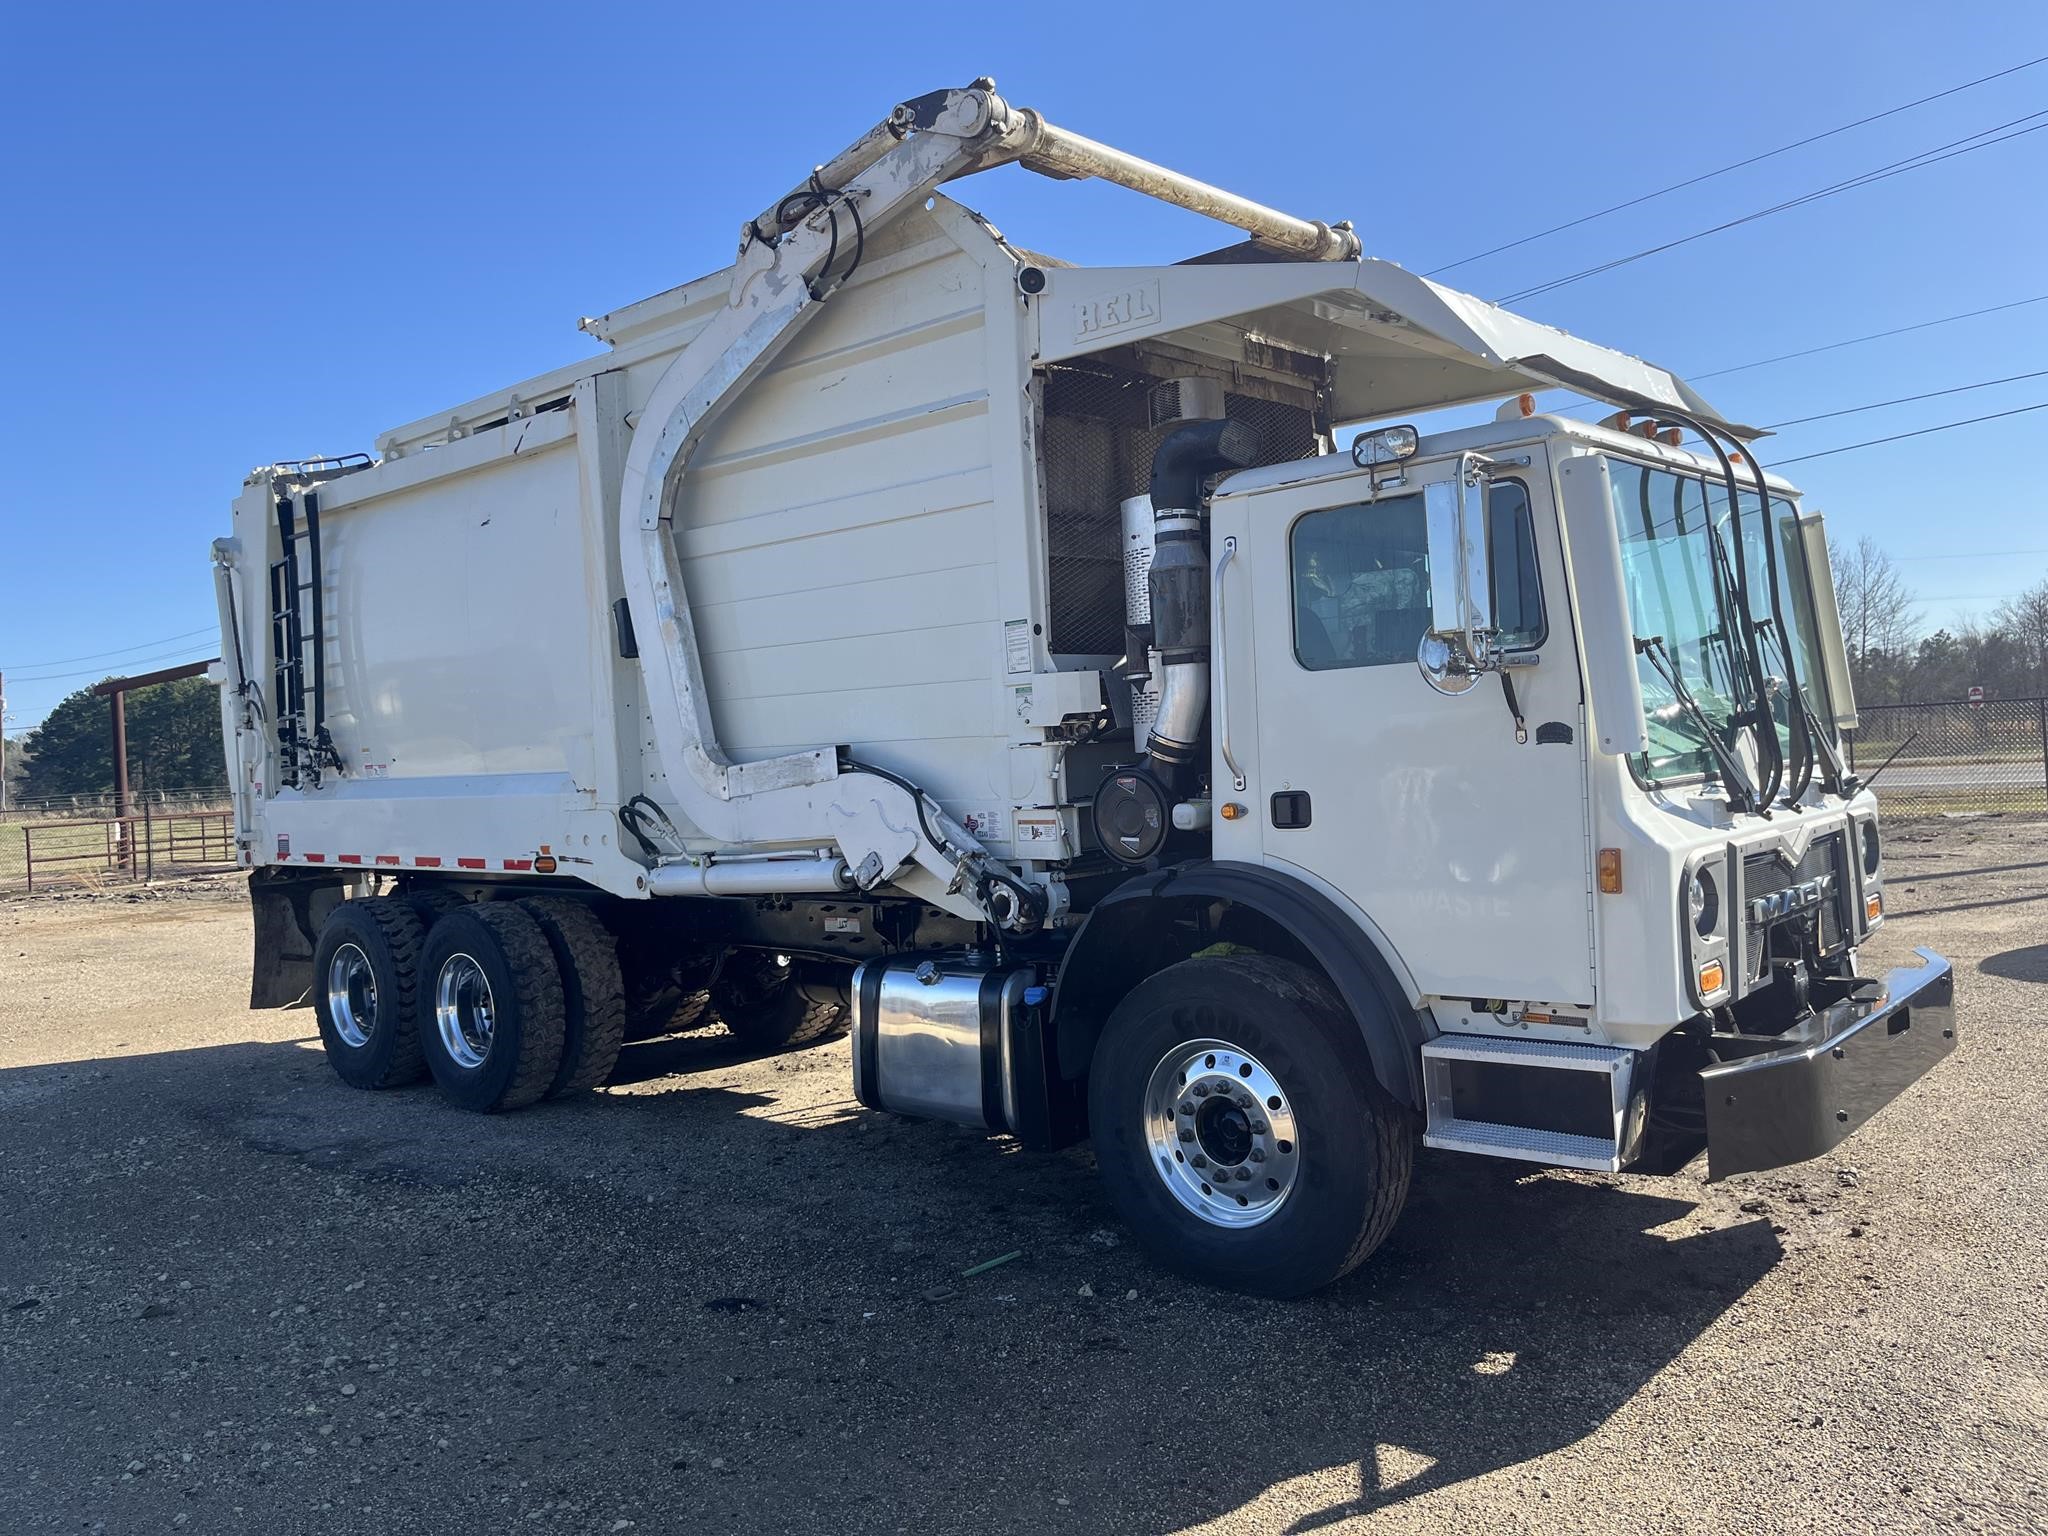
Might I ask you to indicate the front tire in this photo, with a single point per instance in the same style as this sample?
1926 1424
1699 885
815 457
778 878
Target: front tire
365 971
1240 1129
490 1007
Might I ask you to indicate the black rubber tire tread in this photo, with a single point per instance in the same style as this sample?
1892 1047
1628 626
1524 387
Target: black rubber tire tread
392 1058
593 995
503 938
1288 1016
433 900
762 1006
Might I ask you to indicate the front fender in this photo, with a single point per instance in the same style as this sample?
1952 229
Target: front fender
1129 935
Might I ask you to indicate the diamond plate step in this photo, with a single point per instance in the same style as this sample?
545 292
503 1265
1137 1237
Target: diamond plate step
1556 1148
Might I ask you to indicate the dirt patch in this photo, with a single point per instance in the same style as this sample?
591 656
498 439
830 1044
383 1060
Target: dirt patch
722 1297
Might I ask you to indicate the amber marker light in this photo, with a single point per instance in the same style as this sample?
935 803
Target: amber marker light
1609 867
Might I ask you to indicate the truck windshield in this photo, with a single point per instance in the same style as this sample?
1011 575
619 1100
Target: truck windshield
1668 522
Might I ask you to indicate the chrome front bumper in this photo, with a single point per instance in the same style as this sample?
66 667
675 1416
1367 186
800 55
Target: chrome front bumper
1788 1105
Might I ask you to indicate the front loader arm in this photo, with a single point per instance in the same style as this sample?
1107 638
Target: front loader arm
785 271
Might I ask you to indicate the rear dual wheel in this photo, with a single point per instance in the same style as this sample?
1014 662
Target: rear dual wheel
502 1002
365 972
491 1007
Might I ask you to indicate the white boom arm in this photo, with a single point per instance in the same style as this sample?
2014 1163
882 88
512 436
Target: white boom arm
779 280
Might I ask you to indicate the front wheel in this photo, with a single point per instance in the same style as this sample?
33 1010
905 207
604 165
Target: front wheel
1239 1127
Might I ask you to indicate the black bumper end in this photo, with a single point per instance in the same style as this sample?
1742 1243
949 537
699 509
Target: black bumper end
1789 1105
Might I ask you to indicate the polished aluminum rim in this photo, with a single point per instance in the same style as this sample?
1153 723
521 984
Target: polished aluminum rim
351 995
463 1011
1220 1131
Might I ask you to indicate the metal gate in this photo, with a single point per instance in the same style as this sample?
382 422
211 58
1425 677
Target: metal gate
1951 758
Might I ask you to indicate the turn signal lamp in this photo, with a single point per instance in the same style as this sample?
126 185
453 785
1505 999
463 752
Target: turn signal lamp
1608 865
1231 810
1873 907
1712 976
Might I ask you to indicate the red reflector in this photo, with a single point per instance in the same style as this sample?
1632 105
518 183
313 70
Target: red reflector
471 863
351 858
316 858
427 863
519 863
387 858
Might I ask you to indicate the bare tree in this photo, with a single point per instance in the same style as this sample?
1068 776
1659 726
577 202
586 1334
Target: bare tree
2024 620
1879 619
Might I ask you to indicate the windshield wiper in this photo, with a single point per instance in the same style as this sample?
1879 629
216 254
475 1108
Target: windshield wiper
1659 655
1835 775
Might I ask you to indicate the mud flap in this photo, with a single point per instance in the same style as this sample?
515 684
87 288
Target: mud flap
288 909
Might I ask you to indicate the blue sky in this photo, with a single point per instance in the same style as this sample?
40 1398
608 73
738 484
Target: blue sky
238 236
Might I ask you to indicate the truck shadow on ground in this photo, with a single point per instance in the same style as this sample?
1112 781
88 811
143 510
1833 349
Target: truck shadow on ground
2028 963
761 1288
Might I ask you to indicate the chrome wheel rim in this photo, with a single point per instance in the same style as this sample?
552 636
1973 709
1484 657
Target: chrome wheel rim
352 995
464 1015
1220 1131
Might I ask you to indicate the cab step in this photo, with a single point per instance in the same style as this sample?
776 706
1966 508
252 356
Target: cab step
1538 1101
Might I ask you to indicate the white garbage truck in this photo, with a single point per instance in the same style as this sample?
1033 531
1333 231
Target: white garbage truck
905 631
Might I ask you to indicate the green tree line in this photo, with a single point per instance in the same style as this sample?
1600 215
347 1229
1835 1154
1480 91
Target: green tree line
174 742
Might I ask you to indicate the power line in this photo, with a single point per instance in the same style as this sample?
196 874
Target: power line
174 657
1786 357
1947 426
1693 181
1878 405
121 650
1920 161
1580 402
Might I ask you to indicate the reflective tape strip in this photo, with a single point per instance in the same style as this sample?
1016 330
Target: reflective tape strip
387 858
425 861
473 863
519 863
351 858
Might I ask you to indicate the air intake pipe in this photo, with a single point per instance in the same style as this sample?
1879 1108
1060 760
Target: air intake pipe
1179 584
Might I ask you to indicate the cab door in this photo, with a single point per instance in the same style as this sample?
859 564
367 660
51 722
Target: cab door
1466 849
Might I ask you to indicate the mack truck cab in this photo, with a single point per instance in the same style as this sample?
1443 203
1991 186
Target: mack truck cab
905 633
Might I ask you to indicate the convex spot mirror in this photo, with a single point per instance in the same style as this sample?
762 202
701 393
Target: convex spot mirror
1389 445
1459 644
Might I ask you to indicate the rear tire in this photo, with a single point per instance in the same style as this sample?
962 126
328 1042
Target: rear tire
1240 1129
762 1005
365 971
593 998
490 1007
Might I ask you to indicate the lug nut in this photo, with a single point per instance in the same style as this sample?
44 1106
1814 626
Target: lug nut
1201 1090
1244 1175
1187 1108
1199 1161
1186 1134
1258 1154
1258 1127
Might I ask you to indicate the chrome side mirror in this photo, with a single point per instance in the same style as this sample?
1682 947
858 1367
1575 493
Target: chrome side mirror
1460 642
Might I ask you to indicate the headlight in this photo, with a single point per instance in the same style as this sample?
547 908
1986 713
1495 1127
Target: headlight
1703 902
1871 848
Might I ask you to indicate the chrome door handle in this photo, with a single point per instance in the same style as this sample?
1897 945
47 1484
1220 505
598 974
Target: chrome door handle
1220 667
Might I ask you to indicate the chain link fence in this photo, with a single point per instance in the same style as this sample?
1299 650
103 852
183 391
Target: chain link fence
1951 758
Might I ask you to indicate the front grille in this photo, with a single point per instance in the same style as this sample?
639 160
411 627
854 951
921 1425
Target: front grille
1767 874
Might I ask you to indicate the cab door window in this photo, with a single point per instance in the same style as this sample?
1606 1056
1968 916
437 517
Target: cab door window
1361 579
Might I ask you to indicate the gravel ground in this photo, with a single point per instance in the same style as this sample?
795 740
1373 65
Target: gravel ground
238 1297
